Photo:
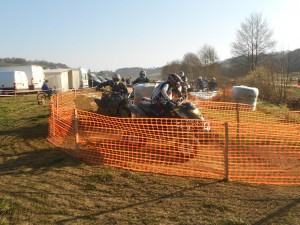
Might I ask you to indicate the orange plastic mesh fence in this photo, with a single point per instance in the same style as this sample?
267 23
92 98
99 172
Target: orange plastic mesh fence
243 145
61 122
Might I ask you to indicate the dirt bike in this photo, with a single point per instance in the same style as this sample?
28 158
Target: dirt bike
185 133
179 109
113 104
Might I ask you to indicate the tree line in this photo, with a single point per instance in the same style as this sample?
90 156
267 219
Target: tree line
21 62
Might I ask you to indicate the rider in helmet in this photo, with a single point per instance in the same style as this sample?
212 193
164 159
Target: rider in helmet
115 84
142 79
212 85
119 92
185 87
181 74
200 83
183 77
162 94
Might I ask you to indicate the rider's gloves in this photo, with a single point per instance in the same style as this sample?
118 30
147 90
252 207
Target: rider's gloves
171 104
177 103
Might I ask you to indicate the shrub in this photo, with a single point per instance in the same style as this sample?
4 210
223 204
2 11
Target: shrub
294 104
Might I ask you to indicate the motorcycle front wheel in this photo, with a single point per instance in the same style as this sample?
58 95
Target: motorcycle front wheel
123 113
41 96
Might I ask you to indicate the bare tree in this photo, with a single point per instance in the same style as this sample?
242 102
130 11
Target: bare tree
208 55
171 67
253 39
191 65
208 58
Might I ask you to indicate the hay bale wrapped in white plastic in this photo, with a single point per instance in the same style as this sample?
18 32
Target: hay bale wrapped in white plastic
245 95
143 90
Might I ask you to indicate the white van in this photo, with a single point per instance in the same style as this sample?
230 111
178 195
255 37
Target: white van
13 80
83 77
35 74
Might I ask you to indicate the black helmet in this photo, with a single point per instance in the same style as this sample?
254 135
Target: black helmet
174 80
116 78
143 73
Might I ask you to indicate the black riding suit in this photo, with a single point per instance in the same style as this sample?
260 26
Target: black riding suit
212 85
118 97
141 80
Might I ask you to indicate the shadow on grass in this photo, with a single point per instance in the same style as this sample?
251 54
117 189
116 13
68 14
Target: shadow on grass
283 211
33 132
42 160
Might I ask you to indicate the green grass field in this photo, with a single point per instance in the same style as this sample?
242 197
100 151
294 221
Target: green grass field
41 184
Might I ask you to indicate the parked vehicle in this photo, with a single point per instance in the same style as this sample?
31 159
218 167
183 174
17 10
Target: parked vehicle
35 74
93 80
74 79
13 80
102 79
84 79
78 78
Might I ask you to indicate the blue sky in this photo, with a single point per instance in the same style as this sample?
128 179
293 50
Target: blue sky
113 34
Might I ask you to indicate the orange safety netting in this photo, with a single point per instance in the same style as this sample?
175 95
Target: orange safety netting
242 145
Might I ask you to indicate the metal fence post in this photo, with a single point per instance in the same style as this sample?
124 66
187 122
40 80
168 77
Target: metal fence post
226 155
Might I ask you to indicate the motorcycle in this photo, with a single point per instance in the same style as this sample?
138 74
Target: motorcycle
179 109
113 104
185 133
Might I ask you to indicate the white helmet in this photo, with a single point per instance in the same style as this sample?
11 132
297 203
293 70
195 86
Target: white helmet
116 78
181 74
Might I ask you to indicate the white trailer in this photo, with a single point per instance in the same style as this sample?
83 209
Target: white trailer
83 77
13 80
74 79
35 74
58 79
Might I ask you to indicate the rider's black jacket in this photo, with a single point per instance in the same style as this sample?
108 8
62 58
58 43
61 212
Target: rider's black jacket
212 85
141 80
120 87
